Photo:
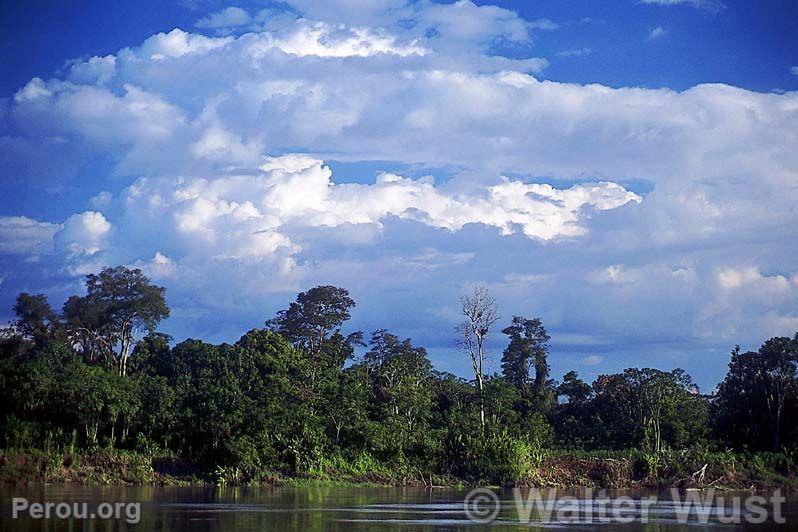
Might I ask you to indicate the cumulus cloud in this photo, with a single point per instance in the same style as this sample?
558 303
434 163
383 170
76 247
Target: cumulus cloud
20 235
297 191
657 33
84 233
322 40
745 298
267 215
607 210
750 278
466 21
101 199
227 18
462 22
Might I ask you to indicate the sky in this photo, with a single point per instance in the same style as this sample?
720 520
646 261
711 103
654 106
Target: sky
626 170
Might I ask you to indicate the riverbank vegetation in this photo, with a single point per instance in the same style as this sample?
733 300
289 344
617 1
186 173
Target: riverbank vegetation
95 394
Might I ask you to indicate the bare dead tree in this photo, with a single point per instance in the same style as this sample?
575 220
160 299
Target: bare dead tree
481 313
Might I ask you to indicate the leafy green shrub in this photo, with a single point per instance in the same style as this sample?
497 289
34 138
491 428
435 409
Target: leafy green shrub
495 456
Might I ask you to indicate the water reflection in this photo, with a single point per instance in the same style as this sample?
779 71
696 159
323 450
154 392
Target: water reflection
322 508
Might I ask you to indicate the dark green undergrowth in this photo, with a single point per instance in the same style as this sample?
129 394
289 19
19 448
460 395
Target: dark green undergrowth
102 467
695 467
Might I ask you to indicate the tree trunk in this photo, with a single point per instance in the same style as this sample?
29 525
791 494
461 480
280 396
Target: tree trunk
481 400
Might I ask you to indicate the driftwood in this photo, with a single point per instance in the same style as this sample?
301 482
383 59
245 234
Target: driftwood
429 485
701 473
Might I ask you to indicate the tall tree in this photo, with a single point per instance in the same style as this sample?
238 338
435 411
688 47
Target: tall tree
759 392
87 328
574 389
36 320
528 348
642 406
313 323
481 313
572 417
400 373
120 303
779 382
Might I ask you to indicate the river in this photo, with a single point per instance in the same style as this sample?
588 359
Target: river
354 509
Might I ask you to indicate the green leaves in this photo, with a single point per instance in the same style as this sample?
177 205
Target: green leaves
119 304
759 395
283 398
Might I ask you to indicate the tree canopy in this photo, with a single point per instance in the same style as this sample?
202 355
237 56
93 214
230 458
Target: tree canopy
294 396
119 304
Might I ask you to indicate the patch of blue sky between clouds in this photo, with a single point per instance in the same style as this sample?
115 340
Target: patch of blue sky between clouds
366 172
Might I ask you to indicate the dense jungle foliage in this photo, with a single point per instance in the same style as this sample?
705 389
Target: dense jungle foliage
302 393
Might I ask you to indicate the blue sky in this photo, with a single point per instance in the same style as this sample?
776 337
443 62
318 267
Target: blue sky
625 170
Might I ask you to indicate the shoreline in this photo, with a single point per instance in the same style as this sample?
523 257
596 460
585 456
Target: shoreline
565 470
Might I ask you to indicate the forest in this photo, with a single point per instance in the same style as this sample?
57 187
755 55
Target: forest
303 395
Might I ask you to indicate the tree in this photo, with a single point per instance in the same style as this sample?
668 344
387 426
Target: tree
528 348
315 316
779 381
346 403
574 389
96 401
452 399
313 324
572 416
120 302
151 354
35 318
501 401
643 406
87 328
759 392
481 313
400 373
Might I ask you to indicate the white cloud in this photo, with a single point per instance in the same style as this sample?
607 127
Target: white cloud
322 40
657 33
745 300
97 70
177 43
98 114
84 234
794 70
464 21
630 278
296 191
615 273
575 52
543 24
101 199
592 360
21 235
710 5
33 90
751 278
228 17
160 266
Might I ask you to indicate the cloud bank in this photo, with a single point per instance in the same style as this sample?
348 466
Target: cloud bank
641 224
